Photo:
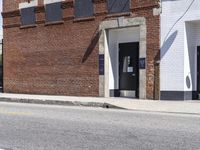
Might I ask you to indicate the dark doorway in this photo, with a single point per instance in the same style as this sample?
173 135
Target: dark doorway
128 67
198 71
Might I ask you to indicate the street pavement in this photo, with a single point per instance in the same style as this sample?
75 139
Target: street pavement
48 127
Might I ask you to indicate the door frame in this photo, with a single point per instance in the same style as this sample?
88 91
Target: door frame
104 51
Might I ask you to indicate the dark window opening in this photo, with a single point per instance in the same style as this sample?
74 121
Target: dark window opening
84 8
118 6
28 16
53 12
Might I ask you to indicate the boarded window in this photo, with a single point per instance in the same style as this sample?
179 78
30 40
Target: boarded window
28 16
53 12
118 6
83 8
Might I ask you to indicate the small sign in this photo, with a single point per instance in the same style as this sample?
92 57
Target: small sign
101 64
142 63
130 69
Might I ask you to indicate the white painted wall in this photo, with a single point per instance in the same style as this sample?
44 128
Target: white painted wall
180 35
35 3
116 36
1 46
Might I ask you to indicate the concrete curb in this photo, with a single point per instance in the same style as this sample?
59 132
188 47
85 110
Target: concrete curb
57 102
148 106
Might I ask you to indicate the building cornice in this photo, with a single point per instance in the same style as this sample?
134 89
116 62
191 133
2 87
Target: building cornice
70 4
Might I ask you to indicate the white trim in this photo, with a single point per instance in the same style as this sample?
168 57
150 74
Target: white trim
52 1
27 4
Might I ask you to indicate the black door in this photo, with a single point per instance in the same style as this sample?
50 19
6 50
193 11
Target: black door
198 70
128 67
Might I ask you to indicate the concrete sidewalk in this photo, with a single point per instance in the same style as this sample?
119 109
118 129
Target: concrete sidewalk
184 107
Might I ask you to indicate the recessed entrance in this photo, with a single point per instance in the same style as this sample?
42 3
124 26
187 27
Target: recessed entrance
128 69
113 81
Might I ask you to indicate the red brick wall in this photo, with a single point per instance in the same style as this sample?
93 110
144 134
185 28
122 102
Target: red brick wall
56 59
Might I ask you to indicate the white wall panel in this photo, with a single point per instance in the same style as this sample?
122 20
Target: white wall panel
179 36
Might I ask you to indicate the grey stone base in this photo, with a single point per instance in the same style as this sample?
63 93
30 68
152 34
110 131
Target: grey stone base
178 95
114 93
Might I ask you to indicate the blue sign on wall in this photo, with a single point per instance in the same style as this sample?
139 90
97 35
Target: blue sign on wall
101 64
142 63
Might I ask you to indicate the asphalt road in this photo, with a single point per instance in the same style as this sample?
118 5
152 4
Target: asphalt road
40 127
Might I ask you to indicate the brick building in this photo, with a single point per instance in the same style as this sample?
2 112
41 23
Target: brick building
82 47
1 65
